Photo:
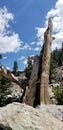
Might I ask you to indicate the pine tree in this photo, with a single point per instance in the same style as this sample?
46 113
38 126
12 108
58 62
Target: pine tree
4 91
15 68
0 58
28 69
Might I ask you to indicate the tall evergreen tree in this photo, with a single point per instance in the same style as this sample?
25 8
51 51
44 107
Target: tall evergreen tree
4 91
28 69
0 58
15 68
56 61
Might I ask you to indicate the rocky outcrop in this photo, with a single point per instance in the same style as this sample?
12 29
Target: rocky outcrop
59 73
17 116
16 92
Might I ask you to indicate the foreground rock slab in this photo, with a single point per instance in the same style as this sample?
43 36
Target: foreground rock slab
18 116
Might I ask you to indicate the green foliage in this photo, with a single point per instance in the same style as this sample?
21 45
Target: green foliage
58 92
28 69
56 61
58 56
53 66
4 91
0 58
15 68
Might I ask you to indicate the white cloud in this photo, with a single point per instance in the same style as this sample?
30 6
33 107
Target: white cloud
57 17
5 17
8 68
40 35
26 47
37 49
32 43
4 57
9 41
25 62
22 58
31 55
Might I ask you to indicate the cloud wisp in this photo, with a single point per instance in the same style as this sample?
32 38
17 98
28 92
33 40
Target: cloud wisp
21 58
9 41
57 17
25 62
26 46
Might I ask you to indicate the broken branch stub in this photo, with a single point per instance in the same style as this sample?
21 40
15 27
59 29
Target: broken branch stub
7 74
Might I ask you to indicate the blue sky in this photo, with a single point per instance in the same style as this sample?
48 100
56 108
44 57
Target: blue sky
22 25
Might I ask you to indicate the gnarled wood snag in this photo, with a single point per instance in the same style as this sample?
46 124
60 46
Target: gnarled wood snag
7 74
44 95
40 72
30 93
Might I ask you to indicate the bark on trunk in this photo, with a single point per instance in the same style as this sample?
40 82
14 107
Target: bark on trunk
44 95
30 94
7 73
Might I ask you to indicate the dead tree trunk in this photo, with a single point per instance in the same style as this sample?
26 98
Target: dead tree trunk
44 96
30 93
7 74
40 73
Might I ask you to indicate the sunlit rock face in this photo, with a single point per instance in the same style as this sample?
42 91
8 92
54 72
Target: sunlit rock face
18 116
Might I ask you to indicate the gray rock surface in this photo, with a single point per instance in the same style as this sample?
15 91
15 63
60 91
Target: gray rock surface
18 116
16 91
55 110
59 71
